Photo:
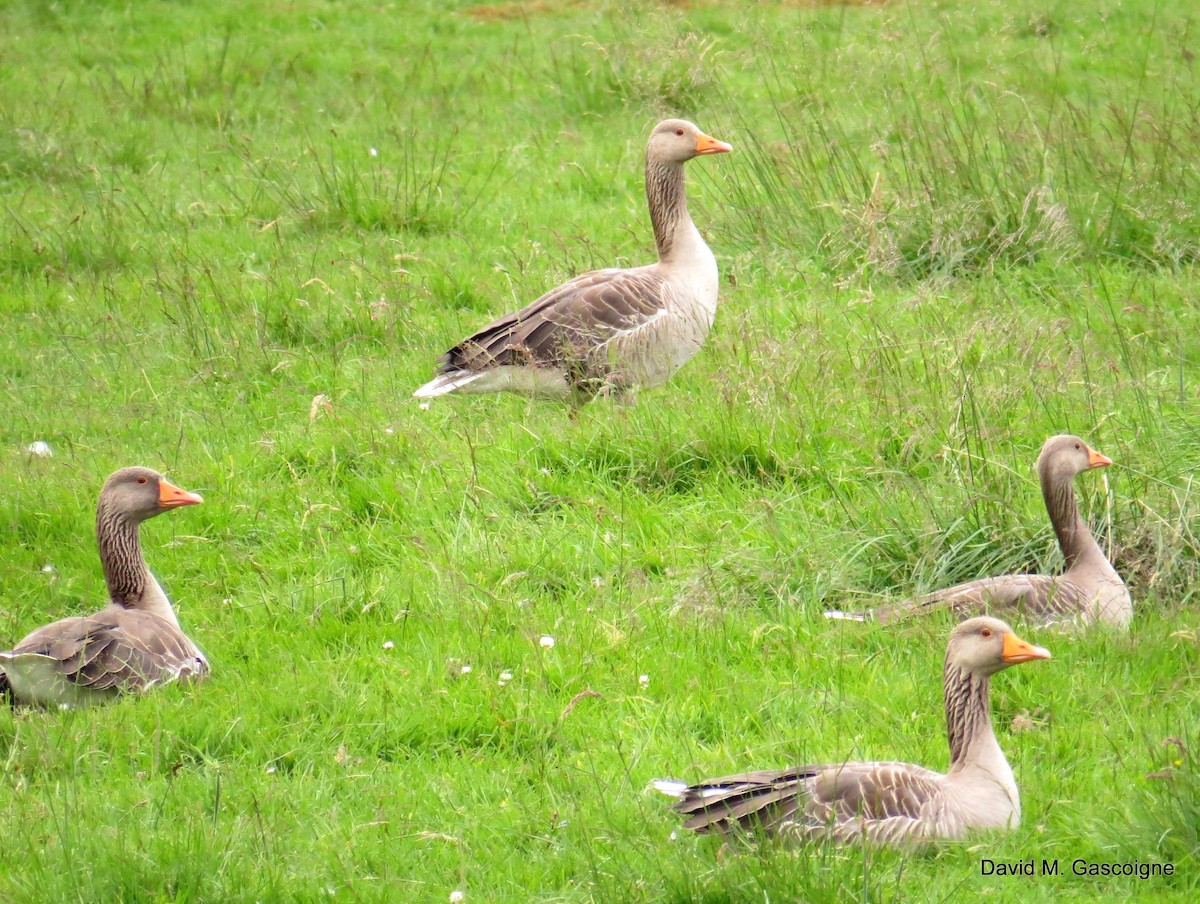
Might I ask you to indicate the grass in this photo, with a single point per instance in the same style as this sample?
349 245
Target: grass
947 233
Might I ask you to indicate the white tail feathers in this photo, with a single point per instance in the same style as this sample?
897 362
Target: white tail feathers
845 616
669 786
446 383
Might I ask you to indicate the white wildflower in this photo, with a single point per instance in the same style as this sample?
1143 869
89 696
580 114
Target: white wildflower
644 681
424 406
373 152
546 642
40 448
457 897
387 645
465 670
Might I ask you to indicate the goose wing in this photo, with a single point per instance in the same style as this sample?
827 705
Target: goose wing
884 802
567 325
1038 598
116 649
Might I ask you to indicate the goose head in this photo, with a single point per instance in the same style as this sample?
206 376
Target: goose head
678 141
142 493
984 646
1062 457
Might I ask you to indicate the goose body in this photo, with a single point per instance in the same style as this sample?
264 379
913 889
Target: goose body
607 331
1088 591
133 643
886 803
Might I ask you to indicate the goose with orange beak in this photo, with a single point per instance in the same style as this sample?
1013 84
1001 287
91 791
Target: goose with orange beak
886 803
607 332
133 643
1089 590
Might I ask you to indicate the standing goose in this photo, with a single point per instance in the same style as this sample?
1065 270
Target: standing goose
1089 590
132 643
609 330
887 803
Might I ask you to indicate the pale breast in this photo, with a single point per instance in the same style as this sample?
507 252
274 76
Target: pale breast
983 797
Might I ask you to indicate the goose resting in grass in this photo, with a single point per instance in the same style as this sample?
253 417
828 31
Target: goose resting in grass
131 644
886 803
1088 591
607 331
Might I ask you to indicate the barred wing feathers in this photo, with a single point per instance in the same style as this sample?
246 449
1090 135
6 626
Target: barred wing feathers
877 802
116 650
1040 599
567 325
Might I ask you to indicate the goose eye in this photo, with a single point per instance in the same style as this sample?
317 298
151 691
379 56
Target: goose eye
141 480
986 632
679 131
1077 445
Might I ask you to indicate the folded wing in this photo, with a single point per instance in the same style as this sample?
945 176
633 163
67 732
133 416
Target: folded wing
876 802
1037 598
115 650
567 326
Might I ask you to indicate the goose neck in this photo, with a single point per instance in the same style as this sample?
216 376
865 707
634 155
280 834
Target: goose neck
968 714
125 570
1074 537
667 200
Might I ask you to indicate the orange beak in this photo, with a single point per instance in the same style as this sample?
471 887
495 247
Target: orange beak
170 496
1017 650
706 144
1096 460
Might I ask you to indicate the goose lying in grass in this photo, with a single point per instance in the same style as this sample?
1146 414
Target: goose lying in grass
1089 590
134 642
609 330
881 802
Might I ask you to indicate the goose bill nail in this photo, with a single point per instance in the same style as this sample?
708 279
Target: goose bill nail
1017 650
171 496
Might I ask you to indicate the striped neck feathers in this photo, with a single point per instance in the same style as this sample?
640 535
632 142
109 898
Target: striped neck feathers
968 711
1074 537
130 583
667 200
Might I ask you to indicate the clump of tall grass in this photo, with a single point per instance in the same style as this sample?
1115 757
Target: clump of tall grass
647 59
952 177
1154 544
340 183
28 153
671 75
1165 818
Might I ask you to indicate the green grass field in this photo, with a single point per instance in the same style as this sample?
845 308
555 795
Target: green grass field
948 231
